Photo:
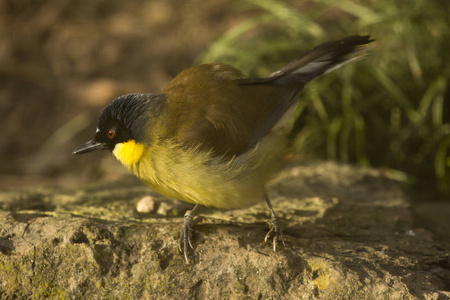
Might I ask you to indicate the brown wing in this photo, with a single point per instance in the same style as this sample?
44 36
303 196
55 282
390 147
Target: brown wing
215 106
207 105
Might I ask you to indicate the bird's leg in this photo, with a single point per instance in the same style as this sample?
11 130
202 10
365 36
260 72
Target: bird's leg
275 228
186 232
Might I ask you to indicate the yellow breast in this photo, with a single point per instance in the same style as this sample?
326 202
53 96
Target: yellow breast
194 176
129 153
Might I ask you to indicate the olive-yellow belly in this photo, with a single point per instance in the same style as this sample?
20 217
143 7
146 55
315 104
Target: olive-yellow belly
196 176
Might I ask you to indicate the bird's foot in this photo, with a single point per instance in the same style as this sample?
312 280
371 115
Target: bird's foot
277 233
186 235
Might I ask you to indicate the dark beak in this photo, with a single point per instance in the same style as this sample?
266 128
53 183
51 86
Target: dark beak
90 146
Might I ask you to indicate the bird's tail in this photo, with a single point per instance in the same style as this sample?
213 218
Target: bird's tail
292 78
319 61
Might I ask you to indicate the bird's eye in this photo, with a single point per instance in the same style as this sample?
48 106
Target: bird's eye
111 133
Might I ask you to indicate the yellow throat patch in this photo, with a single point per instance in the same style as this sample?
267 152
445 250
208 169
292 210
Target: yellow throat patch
128 153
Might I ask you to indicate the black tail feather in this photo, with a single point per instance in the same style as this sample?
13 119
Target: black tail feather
318 61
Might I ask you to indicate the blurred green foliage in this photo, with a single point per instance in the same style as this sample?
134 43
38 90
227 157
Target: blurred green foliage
390 110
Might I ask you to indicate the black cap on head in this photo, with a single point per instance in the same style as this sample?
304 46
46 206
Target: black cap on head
122 120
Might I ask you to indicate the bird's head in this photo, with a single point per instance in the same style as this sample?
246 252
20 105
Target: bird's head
123 123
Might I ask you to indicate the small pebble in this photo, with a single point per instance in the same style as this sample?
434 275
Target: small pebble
164 209
146 205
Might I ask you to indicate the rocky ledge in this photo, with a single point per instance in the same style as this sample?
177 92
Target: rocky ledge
349 233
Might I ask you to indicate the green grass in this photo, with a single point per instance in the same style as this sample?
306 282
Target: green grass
390 110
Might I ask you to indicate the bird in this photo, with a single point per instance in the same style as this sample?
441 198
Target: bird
213 137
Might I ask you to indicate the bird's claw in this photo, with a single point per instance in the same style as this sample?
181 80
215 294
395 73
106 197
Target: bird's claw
186 235
277 232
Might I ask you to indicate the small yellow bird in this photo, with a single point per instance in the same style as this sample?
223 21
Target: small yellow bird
211 137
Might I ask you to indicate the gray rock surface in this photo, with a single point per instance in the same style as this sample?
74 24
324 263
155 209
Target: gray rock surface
349 232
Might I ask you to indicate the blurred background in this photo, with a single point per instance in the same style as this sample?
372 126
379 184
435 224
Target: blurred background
62 61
